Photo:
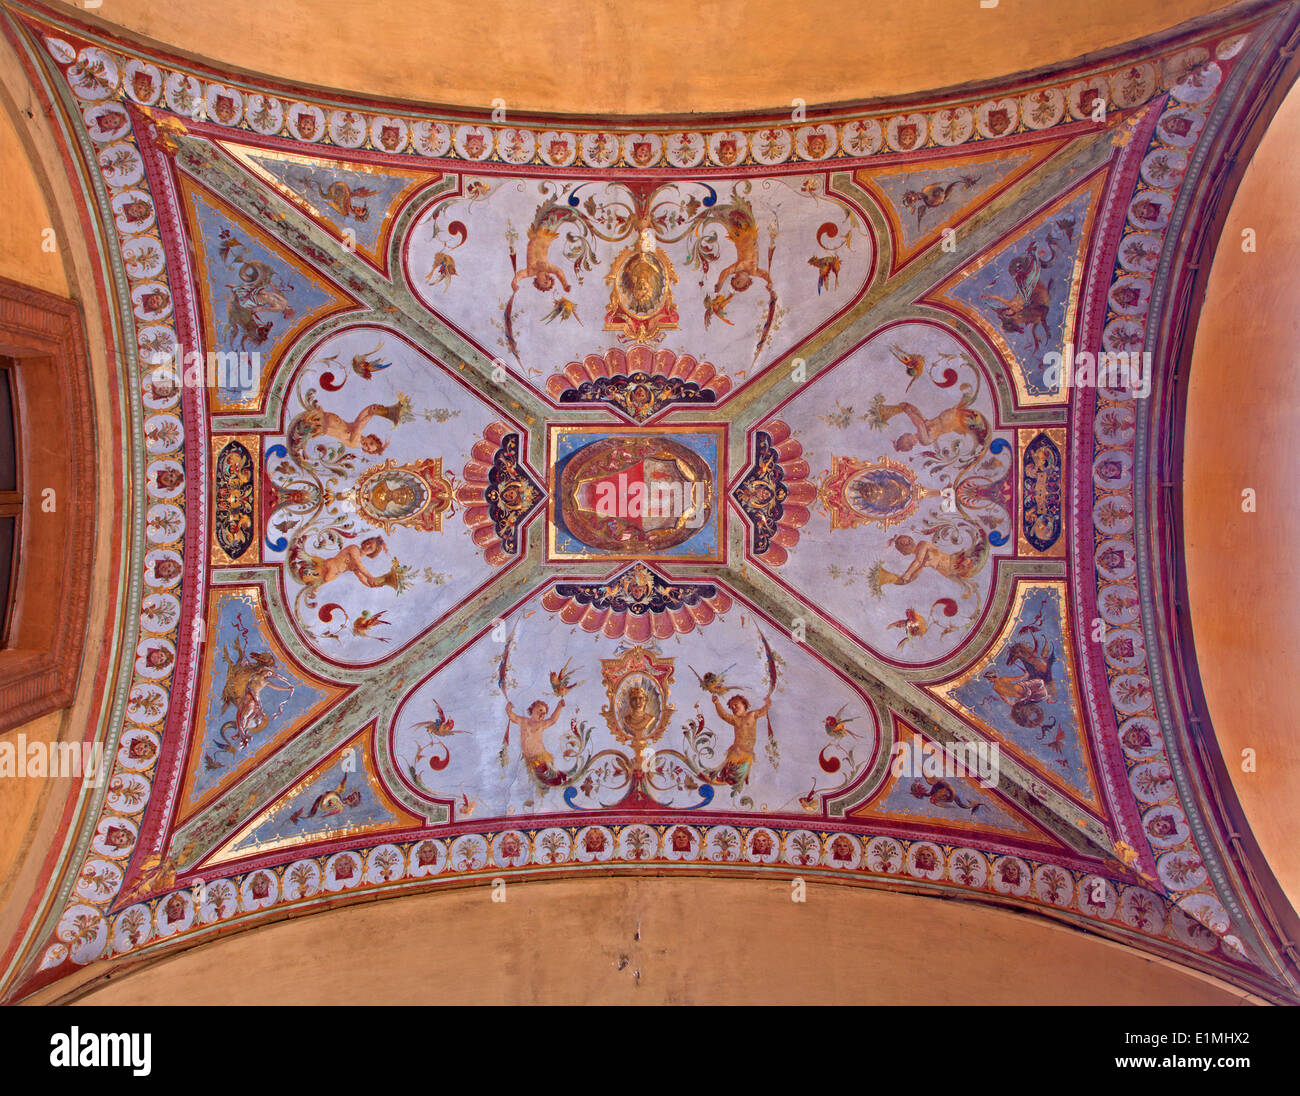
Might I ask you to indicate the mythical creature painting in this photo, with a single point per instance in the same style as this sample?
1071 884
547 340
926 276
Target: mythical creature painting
919 489
1027 311
651 265
1023 692
339 502
247 674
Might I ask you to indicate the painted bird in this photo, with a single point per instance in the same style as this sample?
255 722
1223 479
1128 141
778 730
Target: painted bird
913 624
934 195
711 682
562 309
913 363
826 265
811 802
837 726
561 680
442 726
366 367
717 306
444 269
367 620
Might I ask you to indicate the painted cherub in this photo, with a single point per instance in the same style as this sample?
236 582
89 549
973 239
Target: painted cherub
316 422
961 567
536 756
739 758
542 233
312 570
962 420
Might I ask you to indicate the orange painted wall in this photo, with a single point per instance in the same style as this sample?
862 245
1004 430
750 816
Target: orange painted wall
1243 431
619 57
25 219
23 803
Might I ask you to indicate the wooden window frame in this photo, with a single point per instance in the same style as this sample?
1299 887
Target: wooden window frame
44 337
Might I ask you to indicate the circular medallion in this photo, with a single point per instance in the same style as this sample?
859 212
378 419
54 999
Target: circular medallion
635 494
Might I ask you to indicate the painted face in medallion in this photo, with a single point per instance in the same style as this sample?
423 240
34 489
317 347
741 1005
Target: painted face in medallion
393 497
641 284
880 492
635 494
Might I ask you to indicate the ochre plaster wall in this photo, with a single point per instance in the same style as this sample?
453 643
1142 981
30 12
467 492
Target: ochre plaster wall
676 56
25 219
1243 431
22 844
22 803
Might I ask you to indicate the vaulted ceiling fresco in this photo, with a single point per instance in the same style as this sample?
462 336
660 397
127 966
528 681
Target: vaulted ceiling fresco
514 497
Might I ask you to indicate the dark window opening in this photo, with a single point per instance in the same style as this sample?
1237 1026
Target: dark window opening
11 499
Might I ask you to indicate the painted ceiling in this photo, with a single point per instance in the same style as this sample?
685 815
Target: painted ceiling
380 369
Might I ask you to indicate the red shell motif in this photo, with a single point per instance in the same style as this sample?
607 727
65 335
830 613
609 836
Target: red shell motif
494 511
638 627
777 519
613 379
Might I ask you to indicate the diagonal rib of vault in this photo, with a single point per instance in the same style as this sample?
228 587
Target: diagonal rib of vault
885 300
895 297
377 692
375 697
389 299
892 689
